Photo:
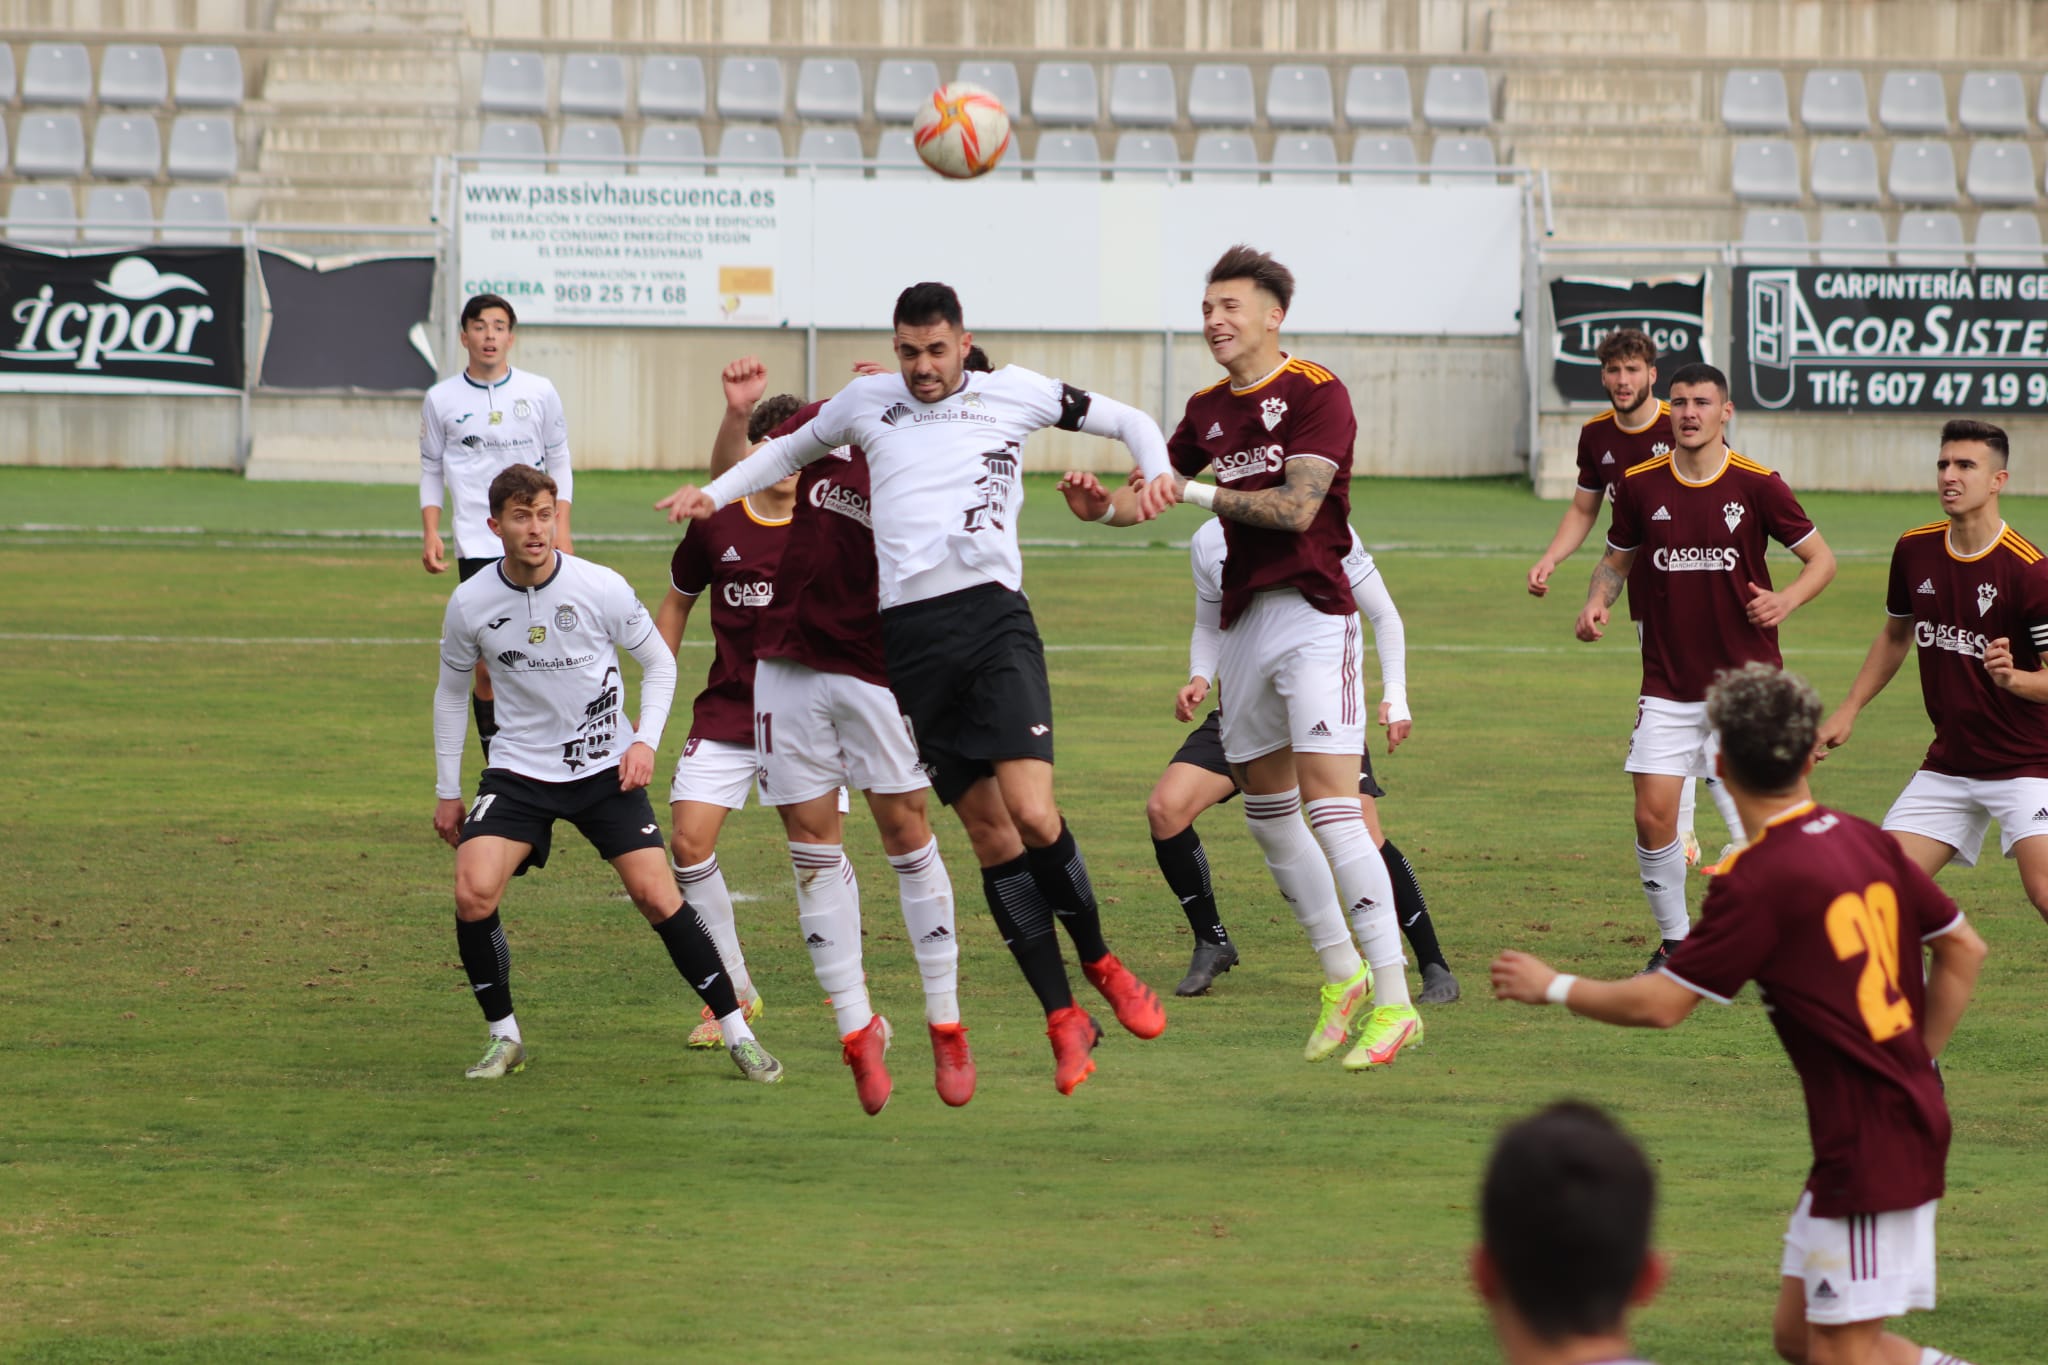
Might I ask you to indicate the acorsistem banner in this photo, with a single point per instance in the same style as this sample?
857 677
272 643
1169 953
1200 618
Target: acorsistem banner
163 320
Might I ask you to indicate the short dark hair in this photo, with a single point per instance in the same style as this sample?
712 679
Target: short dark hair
1626 343
1700 372
770 413
1768 721
1565 1210
977 361
1243 262
474 309
923 305
518 483
1970 429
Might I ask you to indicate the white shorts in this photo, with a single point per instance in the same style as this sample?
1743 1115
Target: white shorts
1290 677
1672 738
1864 1267
818 731
716 772
1957 810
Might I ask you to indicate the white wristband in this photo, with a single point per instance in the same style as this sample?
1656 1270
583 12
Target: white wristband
1108 514
1199 494
1560 986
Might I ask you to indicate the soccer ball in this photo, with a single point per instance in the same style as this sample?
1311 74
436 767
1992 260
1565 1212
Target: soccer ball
962 131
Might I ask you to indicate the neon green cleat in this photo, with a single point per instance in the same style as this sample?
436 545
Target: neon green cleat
754 1061
1690 842
1387 1030
1341 1000
707 1035
502 1056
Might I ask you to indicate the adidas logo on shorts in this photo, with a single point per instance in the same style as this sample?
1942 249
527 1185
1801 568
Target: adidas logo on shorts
1319 731
1826 1291
2041 816
1926 586
1661 514
731 556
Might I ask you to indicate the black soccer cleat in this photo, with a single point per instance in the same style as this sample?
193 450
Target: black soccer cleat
1439 987
1659 958
1211 960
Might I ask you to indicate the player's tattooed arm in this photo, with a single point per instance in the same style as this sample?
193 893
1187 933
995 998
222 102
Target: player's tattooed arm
1290 507
1610 577
1607 584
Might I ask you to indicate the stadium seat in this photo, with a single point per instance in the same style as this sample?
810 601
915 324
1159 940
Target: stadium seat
3 144
6 73
1992 102
1145 156
1852 238
1755 102
126 147
1912 102
1763 229
1066 156
1305 159
678 145
833 152
516 138
118 215
1459 153
209 77
999 79
1843 172
1064 93
2041 106
2010 239
594 83
1378 97
740 144
672 87
896 155
57 73
1457 97
203 147
828 90
1299 97
197 217
591 148
1931 230
750 88
1923 172
1765 171
134 74
1220 96
33 209
902 87
49 144
2000 173
1225 159
515 83
1143 95
1834 102
1385 156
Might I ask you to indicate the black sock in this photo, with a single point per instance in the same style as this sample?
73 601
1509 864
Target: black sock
481 946
1412 910
696 957
485 710
1186 868
1025 922
1062 877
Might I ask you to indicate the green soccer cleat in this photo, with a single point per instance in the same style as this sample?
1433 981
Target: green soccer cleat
1387 1030
707 1034
502 1056
1341 1000
754 1061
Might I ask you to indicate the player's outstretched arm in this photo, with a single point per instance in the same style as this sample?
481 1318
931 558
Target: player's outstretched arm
1120 421
1951 977
1572 530
1650 1001
1090 501
1290 507
743 381
1881 664
1610 580
772 462
1816 571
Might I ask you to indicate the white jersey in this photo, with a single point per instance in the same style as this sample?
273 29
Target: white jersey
554 663
1206 552
944 474
470 431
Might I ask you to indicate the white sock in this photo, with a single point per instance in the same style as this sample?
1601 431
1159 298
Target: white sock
508 1027
1688 802
1664 883
1299 870
733 1027
927 896
703 888
1367 892
828 915
1931 1356
1730 816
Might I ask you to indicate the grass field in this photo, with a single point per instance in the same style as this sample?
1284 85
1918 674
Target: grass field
233 1123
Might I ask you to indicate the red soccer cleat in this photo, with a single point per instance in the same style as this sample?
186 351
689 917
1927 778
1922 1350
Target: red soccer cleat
862 1050
952 1063
1137 1008
1074 1036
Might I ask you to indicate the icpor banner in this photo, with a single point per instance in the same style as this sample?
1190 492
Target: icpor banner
163 320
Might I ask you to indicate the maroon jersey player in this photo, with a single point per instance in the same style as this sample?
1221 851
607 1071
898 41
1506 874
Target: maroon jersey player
1829 917
1699 520
1969 595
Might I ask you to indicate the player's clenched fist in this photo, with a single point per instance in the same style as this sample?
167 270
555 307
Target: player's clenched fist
1518 976
687 504
636 767
1592 623
744 381
1188 698
448 820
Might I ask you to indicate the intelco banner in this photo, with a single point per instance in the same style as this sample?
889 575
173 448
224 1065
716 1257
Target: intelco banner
1885 339
1671 311
163 320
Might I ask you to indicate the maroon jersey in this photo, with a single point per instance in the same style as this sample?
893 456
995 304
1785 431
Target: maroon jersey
1958 606
1607 450
733 553
1827 915
1704 544
1299 411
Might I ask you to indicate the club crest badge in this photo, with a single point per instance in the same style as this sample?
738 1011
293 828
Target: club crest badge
1732 514
1987 593
565 617
521 409
1271 411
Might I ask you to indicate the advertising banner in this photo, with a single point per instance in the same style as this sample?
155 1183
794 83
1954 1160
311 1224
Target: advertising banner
1671 311
355 323
164 320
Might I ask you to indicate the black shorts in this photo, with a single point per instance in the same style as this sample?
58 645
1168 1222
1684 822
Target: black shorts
968 669
524 809
466 569
1203 748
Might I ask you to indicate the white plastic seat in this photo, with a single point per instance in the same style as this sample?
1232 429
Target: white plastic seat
739 144
896 156
1834 102
2000 173
591 148
1306 159
1225 159
3 142
902 87
1939 229
1922 173
1143 95
1457 97
1852 238
2010 239
6 73
1385 154
1000 80
1755 101
126 147
203 147
37 214
520 138
49 144
1378 97
56 73
1066 156
515 83
1300 97
196 217
118 215
1458 153
1220 96
750 88
1843 172
1765 171
134 74
1144 156
1993 102
1065 93
670 149
1763 229
594 83
672 87
1912 102
835 152
209 78
828 90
